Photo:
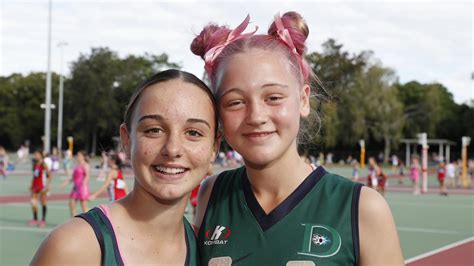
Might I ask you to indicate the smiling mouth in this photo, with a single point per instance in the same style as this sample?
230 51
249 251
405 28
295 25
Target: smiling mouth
258 134
170 170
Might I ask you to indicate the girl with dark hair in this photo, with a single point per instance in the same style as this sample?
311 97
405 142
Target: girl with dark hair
169 134
277 209
114 183
40 186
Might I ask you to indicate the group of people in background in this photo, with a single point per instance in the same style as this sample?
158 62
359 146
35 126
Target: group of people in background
45 166
111 175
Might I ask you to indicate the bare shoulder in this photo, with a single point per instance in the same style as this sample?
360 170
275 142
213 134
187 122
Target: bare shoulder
68 244
371 203
203 198
379 243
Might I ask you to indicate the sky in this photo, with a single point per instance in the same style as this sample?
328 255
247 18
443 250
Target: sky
424 41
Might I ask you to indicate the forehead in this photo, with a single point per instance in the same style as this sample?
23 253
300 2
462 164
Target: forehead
255 68
174 99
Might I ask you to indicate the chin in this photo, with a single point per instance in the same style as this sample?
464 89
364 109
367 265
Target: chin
171 200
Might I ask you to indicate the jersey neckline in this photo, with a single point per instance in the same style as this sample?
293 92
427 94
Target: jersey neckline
104 212
266 221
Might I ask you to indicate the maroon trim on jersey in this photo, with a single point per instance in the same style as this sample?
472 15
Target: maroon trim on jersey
266 221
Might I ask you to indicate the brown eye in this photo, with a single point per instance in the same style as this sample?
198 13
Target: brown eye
155 130
194 133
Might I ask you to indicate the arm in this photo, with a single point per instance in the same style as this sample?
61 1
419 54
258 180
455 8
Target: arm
379 244
63 246
48 178
86 178
203 198
111 176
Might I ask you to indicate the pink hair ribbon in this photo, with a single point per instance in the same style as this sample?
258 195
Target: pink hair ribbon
284 34
212 54
285 37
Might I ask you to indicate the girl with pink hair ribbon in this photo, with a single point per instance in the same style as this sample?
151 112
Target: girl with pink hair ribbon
277 209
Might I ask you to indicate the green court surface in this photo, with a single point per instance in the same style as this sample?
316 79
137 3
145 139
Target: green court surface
424 222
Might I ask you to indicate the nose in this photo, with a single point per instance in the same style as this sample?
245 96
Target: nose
256 114
173 147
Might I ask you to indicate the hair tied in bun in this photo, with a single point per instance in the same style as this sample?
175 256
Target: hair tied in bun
234 35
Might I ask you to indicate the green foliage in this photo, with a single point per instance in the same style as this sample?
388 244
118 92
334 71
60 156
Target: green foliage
357 98
95 96
428 108
21 117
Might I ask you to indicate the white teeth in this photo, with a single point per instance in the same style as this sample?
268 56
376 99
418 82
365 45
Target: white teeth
169 170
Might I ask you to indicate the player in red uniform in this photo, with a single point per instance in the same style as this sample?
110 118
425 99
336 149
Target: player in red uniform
381 180
39 188
441 176
115 180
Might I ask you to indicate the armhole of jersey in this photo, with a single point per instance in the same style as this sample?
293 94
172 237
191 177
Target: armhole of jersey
106 221
355 221
98 234
192 256
188 246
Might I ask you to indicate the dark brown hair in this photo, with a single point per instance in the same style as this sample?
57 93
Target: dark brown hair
163 76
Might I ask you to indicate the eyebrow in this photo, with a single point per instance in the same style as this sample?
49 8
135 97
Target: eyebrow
161 118
274 84
263 86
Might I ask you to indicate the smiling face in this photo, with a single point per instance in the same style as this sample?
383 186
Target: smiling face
171 142
261 101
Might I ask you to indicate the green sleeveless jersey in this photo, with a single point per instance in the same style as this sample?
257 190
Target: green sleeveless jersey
316 225
110 254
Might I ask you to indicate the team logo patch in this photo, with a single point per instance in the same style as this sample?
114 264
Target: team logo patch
320 241
217 235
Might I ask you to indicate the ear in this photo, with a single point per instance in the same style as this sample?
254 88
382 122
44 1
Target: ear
125 140
305 107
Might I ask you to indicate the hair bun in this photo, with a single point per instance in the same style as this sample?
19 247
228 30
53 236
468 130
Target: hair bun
209 37
296 26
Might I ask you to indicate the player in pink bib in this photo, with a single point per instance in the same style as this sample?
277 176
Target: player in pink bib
80 180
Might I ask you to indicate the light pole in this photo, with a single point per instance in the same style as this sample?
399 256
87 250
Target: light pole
423 141
465 142
47 109
60 102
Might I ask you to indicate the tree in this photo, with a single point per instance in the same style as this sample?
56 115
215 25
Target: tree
101 84
21 117
383 112
340 117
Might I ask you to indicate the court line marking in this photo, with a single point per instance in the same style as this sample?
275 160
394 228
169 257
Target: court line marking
441 249
433 231
25 229
29 206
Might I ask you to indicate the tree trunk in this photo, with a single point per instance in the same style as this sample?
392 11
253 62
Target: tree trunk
94 142
386 149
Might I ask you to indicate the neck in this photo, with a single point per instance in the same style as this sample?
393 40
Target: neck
165 217
279 178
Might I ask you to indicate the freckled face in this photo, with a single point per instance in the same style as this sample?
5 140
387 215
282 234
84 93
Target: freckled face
260 102
171 142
